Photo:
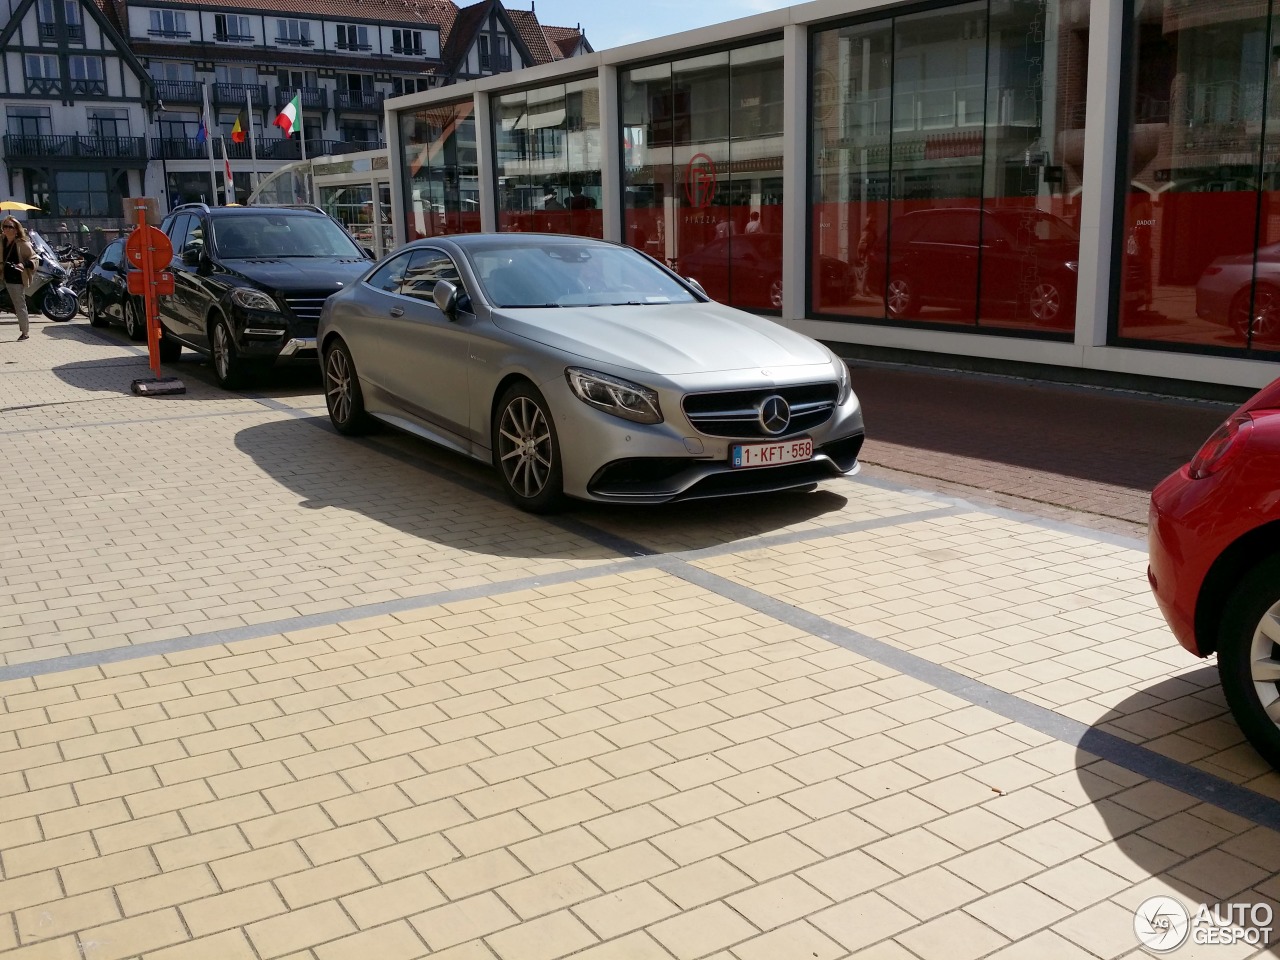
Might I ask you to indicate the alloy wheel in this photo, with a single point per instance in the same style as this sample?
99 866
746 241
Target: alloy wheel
131 320
222 351
1266 315
899 297
524 446
1264 666
775 294
1046 302
338 385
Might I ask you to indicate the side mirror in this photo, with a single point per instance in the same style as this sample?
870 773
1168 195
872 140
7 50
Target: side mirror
369 254
696 286
191 256
445 295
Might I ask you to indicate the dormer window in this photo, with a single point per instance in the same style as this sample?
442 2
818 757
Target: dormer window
352 36
408 42
168 23
228 28
293 33
495 56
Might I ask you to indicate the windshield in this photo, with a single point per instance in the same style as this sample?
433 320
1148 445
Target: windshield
275 235
570 275
41 248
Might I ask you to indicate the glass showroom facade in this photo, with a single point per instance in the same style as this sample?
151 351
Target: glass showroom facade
1059 181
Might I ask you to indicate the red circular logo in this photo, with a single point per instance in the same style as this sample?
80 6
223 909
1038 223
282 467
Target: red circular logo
700 180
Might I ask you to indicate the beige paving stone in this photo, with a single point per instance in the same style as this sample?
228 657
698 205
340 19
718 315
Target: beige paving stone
955 935
485 871
847 875
298 929
1079 883
698 932
702 882
634 946
781 901
249 868
108 871
396 941
622 911
555 935
67 915
137 935
27 890
861 921
798 939
626 865
326 882
230 910
1018 910
464 920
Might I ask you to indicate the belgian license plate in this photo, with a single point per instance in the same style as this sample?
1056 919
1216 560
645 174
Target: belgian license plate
771 454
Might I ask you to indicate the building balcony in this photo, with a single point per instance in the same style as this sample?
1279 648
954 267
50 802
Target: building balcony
232 94
46 146
498 63
44 86
51 32
233 37
313 98
335 147
295 41
359 47
179 91
89 88
358 102
189 148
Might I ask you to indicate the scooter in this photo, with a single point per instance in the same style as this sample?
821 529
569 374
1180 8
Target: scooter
48 293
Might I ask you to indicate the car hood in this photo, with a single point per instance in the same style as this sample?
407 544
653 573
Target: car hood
301 273
667 339
1268 398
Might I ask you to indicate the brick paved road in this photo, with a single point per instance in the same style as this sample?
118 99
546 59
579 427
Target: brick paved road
266 692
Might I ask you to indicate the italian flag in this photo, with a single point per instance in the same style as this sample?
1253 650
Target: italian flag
287 117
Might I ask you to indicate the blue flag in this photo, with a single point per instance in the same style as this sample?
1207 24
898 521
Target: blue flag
203 133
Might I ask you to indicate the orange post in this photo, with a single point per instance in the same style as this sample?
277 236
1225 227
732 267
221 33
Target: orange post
149 294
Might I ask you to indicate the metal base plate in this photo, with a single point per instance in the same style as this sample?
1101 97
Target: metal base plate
155 388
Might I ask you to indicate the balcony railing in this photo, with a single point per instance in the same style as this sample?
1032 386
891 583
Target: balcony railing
233 93
314 98
266 148
44 85
179 91
353 46
358 101
409 51
43 146
295 41
170 34
498 63
233 37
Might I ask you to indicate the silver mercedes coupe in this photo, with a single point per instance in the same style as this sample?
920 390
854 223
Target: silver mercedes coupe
584 369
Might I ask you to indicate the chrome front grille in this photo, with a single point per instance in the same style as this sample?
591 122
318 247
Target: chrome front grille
306 307
736 413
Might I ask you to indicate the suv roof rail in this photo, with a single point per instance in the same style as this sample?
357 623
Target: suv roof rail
190 206
297 206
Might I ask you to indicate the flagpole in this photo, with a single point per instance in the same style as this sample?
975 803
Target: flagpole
208 139
253 148
228 183
302 142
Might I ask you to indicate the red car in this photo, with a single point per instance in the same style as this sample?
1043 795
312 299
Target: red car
1214 539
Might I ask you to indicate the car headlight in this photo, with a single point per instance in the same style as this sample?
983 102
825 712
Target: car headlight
613 395
843 382
252 299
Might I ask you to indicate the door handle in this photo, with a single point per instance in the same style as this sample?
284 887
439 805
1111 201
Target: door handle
397 311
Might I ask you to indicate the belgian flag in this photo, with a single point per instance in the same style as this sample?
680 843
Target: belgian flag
238 134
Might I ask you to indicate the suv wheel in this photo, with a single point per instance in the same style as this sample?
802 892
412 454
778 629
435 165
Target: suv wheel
135 324
342 392
901 297
228 366
1249 657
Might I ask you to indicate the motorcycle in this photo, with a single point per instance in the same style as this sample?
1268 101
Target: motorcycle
48 293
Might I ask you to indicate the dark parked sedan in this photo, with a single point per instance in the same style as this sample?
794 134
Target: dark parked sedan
107 294
745 269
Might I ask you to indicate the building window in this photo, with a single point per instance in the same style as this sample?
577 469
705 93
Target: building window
85 193
88 76
29 121
1199 237
946 167
241 76
297 79
71 26
359 131
355 83
407 42
403 85
228 28
108 123
293 33
169 23
172 70
495 53
353 37
177 125
547 148
442 176
42 73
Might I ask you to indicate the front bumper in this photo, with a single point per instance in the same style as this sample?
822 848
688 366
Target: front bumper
607 459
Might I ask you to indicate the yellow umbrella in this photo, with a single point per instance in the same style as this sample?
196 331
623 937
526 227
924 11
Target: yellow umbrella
16 205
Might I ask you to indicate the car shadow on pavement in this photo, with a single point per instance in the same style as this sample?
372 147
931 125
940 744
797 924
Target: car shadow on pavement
437 495
1178 829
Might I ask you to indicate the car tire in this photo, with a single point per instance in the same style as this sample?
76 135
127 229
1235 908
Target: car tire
170 349
1249 657
229 367
775 293
1264 325
342 394
901 297
526 450
96 317
135 324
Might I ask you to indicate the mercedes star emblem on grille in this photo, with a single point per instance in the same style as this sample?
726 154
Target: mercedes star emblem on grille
775 415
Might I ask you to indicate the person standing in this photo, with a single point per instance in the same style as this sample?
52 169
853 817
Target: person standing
753 225
19 267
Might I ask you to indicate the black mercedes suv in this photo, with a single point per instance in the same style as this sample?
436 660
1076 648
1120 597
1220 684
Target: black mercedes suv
249 283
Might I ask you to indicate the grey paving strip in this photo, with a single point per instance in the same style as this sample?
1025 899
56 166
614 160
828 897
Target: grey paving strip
1223 794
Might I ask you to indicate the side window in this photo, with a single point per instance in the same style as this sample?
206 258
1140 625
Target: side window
112 256
425 268
178 233
389 276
